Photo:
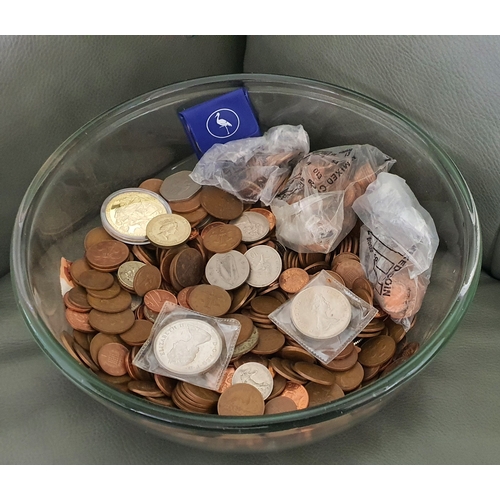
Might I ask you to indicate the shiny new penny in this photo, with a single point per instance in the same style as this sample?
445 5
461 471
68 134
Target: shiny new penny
126 273
107 254
153 185
320 312
179 186
270 342
350 379
96 235
155 299
227 270
219 204
265 265
210 300
254 374
314 373
138 333
111 323
281 404
377 351
241 400
247 327
222 239
168 230
111 358
147 278
115 305
298 394
321 394
292 280
253 225
79 321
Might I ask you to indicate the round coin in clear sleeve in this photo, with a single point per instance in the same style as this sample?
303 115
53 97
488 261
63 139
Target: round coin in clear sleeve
265 265
320 312
125 214
179 186
168 230
227 270
188 347
254 374
253 226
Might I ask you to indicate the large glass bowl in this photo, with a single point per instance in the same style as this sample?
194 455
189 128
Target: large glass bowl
144 138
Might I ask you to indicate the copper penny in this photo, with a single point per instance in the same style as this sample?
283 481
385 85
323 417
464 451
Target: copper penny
279 384
79 321
294 353
220 204
270 342
200 394
346 352
363 284
145 388
78 297
284 368
227 380
96 280
111 358
138 333
196 216
165 384
115 305
247 327
164 401
210 300
344 364
268 215
321 394
265 305
241 400
281 404
350 270
240 296
189 205
96 235
350 379
221 239
370 372
82 339
99 341
77 268
123 379
188 268
336 277
292 280
182 296
211 226
107 293
85 357
147 278
409 350
68 342
396 331
109 254
298 394
114 324
166 262
314 373
155 299
377 351
153 185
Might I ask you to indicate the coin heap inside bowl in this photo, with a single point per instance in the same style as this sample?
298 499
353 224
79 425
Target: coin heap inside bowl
218 257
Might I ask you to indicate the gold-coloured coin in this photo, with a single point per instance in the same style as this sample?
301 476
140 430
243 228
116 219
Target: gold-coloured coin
168 230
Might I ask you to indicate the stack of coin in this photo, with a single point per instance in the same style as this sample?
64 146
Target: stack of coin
221 258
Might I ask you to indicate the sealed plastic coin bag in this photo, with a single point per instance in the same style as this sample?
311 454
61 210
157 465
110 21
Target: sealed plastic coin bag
324 317
189 346
397 246
340 175
255 168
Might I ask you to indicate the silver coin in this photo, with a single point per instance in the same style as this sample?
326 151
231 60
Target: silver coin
127 272
136 302
227 270
320 312
265 265
246 346
179 186
188 347
149 314
257 375
254 226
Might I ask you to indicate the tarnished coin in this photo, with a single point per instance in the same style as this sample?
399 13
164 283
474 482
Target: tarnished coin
350 379
265 265
153 185
241 400
96 235
279 384
220 204
100 340
350 270
186 268
186 206
292 280
165 384
108 255
179 186
113 324
111 358
145 388
168 230
314 373
294 353
255 374
227 270
138 333
222 238
79 321
320 312
281 404
78 297
253 225
155 299
298 394
95 280
115 305
270 342
126 273
147 278
377 351
344 364
247 327
247 345
78 267
188 347
107 293
210 300
321 394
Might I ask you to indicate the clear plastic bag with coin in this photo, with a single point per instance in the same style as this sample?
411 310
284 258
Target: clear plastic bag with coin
255 168
189 346
397 246
329 180
324 317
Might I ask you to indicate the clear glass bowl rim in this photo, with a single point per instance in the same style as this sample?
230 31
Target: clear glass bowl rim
93 386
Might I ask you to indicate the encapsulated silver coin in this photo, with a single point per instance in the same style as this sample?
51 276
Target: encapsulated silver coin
227 270
188 347
257 375
265 265
254 226
179 186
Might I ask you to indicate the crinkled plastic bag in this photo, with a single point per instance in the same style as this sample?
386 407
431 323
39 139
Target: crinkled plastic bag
397 246
256 168
314 211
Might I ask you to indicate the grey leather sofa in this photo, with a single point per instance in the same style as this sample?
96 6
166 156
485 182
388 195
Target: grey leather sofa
50 86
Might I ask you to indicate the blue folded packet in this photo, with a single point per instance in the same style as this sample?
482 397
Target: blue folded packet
226 118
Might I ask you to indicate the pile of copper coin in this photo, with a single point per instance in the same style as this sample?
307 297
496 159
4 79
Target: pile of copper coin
219 257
